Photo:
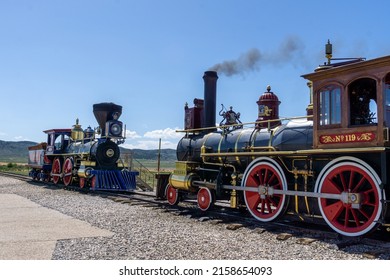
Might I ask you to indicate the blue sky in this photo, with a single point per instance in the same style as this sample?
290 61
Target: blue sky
58 58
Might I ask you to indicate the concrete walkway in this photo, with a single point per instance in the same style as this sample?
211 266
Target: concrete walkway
29 231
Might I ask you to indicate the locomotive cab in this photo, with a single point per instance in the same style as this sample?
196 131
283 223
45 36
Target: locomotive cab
351 104
57 140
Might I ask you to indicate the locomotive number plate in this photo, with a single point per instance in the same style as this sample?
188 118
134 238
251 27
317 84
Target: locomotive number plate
347 138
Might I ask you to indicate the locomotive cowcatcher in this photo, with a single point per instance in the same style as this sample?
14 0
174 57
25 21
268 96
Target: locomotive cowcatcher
79 156
329 166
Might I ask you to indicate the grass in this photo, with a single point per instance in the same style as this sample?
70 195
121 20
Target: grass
18 168
139 165
149 168
152 165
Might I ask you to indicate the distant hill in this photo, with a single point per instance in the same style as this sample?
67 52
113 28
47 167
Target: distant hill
14 151
165 154
17 151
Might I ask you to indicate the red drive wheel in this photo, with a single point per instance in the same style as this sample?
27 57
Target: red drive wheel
56 170
93 182
172 195
82 183
360 207
67 169
205 199
265 173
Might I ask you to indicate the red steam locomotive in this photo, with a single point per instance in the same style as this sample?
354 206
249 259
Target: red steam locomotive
330 166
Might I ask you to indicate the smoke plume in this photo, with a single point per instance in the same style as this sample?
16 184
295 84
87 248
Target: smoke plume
253 58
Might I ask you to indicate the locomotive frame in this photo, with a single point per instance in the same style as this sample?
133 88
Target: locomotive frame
329 166
77 156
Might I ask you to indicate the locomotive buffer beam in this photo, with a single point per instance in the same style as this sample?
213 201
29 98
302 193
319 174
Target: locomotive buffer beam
350 198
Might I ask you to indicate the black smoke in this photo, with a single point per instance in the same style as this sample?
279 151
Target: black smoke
253 58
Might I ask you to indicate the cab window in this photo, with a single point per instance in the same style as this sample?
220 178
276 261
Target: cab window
330 105
387 99
363 105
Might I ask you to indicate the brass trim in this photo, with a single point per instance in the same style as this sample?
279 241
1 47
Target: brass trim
219 148
241 124
386 136
88 163
236 145
298 152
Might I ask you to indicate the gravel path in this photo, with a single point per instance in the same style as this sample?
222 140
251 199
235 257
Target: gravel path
153 234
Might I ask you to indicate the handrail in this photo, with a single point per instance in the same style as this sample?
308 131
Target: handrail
242 124
145 175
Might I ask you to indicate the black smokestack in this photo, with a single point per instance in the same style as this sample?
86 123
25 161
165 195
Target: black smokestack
210 98
104 112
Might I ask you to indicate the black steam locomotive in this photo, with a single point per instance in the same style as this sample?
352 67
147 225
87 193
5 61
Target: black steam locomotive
78 156
329 166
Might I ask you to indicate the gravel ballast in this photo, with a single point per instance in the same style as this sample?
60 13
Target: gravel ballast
147 233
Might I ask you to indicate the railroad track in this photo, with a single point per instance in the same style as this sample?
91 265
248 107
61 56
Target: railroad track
233 219
15 175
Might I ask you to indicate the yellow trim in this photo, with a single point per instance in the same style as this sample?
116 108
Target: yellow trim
241 124
183 182
203 148
88 163
219 147
236 145
298 152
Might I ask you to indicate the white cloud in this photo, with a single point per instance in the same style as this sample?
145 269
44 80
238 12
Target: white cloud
150 141
21 138
149 145
132 134
167 133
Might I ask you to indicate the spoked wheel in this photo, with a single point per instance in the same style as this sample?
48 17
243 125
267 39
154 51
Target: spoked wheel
265 174
359 208
67 169
56 171
82 182
205 199
172 195
93 182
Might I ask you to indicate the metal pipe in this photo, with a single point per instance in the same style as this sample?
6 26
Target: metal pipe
287 192
210 98
239 124
298 152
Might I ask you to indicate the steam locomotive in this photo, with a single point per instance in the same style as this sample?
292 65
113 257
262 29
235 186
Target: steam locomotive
78 156
329 166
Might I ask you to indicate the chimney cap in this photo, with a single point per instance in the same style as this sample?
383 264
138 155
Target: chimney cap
210 73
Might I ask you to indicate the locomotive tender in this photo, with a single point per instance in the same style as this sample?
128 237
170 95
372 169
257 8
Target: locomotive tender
330 166
78 156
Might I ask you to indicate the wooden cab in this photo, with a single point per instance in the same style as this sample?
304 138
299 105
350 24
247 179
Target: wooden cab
351 104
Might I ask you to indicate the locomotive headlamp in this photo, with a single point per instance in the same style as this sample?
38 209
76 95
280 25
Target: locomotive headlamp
114 128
